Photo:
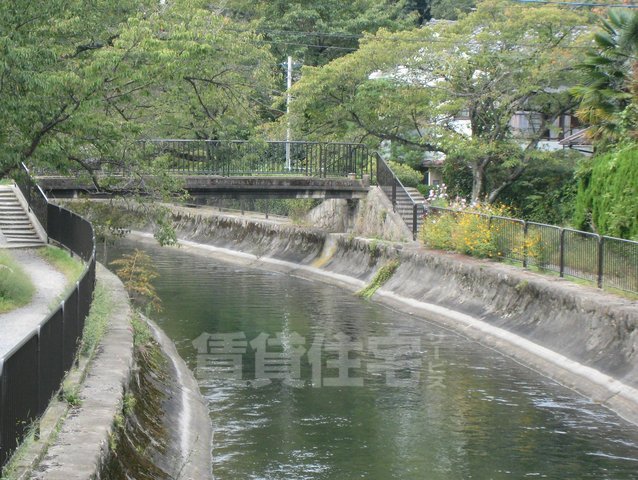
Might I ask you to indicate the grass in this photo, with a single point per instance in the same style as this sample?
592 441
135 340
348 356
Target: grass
16 288
97 322
62 260
381 277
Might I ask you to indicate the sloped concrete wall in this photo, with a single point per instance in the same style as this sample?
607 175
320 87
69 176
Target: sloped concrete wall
584 338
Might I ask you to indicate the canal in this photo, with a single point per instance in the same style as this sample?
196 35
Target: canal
307 381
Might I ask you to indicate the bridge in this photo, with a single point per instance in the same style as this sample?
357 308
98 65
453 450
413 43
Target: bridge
232 168
254 169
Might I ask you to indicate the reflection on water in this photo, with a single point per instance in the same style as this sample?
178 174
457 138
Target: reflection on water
459 411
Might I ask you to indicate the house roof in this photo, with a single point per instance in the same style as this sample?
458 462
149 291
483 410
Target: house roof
578 138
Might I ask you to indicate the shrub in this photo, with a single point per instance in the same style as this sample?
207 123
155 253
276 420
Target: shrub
466 229
407 175
606 199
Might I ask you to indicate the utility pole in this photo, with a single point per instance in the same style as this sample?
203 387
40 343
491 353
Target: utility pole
288 98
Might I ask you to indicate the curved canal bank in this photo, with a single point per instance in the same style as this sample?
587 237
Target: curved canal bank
112 407
440 407
585 339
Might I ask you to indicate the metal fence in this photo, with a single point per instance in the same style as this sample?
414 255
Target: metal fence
32 372
607 261
409 208
238 158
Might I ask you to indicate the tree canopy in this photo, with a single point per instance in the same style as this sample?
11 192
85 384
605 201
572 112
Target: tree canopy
414 87
81 85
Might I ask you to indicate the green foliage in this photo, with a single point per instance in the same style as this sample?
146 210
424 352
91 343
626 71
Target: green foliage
97 322
136 270
451 9
16 289
318 32
81 85
62 260
142 335
380 278
467 230
608 94
407 175
70 393
546 192
410 87
607 192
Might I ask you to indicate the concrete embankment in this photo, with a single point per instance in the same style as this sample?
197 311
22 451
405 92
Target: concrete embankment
123 399
583 338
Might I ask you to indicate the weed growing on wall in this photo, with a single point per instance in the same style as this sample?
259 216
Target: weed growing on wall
136 270
380 278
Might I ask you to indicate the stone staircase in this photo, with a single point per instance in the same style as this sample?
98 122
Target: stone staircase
16 228
404 205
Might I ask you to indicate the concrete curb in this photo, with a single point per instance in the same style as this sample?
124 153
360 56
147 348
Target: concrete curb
83 441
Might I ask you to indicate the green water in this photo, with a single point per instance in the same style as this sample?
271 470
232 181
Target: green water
471 413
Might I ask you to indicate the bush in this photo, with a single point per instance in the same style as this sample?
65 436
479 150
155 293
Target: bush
606 199
407 175
466 230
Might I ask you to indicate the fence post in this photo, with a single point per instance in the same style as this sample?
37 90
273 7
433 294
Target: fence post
561 267
525 252
414 221
394 195
2 410
601 260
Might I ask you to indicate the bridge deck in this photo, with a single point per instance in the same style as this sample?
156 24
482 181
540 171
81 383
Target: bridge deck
203 185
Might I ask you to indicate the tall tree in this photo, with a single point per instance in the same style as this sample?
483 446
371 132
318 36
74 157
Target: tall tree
609 94
317 32
81 86
414 87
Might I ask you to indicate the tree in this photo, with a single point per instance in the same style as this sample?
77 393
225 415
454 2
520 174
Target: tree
608 96
45 82
412 87
81 86
316 32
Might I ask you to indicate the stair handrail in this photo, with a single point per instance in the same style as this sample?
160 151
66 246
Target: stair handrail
398 185
37 201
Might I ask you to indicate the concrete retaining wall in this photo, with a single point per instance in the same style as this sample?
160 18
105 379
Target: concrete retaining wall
582 337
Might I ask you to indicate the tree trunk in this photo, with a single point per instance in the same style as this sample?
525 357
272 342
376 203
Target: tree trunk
478 181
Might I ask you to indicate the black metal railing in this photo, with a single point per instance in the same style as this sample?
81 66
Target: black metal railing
239 158
410 209
35 197
606 261
32 372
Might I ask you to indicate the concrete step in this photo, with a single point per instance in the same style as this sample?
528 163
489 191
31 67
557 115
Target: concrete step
15 224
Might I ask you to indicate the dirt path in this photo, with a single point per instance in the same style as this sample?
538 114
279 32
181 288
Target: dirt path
50 285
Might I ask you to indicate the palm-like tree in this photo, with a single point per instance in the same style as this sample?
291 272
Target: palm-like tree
610 92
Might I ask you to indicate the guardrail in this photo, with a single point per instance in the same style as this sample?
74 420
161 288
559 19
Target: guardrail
237 157
402 202
607 261
32 372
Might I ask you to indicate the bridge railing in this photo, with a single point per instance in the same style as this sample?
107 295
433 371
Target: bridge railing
33 370
239 158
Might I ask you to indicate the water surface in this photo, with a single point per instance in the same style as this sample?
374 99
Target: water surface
449 408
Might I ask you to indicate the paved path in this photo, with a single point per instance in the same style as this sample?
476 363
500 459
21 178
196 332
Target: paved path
49 283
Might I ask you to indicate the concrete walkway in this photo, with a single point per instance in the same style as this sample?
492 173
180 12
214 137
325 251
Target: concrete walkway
50 285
